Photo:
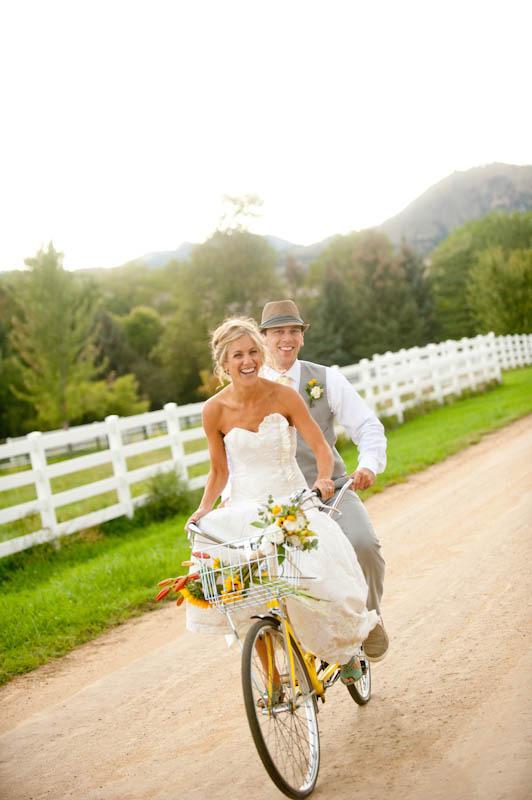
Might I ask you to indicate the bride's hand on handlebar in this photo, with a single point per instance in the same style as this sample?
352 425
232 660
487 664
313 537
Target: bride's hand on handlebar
196 516
325 488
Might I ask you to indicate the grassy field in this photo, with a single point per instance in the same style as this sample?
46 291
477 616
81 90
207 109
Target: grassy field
53 599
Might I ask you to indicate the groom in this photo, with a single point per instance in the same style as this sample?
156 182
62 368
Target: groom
330 396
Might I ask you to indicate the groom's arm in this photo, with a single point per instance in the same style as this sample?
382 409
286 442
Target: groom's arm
361 424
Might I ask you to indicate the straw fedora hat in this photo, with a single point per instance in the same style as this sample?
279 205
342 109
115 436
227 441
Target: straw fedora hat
279 313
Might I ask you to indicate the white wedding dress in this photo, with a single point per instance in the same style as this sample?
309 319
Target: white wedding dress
263 463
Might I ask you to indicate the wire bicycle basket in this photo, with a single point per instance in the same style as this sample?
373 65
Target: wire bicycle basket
244 572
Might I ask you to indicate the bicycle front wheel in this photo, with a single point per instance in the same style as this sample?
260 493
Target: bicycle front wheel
286 737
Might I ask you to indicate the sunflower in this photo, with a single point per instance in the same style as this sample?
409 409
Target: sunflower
195 601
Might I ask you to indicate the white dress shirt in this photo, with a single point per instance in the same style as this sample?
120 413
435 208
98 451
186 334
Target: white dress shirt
350 411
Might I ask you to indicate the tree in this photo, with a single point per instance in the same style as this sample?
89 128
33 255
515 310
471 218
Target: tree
453 259
500 291
239 209
143 328
232 273
367 299
53 337
115 395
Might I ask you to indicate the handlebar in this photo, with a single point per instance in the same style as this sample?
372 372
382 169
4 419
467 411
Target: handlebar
343 484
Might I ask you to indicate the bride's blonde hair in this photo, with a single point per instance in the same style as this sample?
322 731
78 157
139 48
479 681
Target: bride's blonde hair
230 330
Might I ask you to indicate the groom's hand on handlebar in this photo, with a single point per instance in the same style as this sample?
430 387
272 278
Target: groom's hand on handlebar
324 487
362 478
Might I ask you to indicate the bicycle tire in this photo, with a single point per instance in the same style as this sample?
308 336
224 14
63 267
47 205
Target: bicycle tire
360 691
287 728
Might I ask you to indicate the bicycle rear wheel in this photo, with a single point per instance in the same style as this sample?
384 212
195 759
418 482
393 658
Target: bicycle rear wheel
360 691
286 738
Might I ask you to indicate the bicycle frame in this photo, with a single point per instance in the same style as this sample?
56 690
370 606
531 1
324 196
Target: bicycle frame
320 682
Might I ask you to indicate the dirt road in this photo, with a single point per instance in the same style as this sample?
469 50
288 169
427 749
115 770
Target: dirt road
149 711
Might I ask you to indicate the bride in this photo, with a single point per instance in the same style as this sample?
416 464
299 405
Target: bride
251 431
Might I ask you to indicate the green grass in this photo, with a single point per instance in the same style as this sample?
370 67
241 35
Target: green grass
53 599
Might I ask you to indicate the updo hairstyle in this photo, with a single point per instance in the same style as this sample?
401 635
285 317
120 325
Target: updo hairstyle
230 330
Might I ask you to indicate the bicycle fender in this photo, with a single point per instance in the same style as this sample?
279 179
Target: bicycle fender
267 616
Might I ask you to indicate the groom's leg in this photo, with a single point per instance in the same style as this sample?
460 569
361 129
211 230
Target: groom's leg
356 524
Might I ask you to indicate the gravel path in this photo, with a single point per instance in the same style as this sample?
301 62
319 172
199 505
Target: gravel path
149 711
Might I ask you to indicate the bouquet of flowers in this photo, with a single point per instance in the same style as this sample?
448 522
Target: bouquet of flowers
283 525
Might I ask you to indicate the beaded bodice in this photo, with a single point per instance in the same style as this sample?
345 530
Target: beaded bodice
263 462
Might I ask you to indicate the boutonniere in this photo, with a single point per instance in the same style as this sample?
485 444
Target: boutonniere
314 390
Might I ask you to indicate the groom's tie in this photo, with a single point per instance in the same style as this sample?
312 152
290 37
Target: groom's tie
286 380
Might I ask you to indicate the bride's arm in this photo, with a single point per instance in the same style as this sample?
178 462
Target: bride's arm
312 434
218 472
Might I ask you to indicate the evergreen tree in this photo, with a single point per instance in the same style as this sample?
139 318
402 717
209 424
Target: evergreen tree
452 261
52 337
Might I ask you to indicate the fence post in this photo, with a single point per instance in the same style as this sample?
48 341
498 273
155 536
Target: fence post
176 443
434 364
118 458
366 383
493 363
395 389
42 481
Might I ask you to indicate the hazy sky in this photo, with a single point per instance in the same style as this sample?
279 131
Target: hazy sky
124 123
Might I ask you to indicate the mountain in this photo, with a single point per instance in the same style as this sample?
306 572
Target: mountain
459 198
283 248
162 257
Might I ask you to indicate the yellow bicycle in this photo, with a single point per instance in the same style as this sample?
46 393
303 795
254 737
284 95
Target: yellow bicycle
281 682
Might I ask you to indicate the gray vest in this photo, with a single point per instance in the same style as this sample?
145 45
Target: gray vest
321 412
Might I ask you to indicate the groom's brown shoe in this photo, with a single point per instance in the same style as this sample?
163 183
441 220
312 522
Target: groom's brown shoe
376 645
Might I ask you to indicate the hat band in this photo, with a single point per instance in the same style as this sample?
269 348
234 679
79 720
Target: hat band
275 322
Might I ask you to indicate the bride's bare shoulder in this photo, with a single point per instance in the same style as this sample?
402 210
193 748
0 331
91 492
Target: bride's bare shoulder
213 409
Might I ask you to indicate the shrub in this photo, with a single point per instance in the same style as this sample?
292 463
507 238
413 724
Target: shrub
168 495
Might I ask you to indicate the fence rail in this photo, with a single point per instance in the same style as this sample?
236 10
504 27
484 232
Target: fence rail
390 383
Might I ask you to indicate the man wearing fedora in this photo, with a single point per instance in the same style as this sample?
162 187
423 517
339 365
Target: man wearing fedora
331 397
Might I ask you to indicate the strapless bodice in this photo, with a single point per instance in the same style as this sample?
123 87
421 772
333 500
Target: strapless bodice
263 462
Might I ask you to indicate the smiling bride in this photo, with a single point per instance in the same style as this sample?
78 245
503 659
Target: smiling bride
251 427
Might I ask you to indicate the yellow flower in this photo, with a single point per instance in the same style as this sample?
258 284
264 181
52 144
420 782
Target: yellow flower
312 382
232 584
194 601
276 509
216 563
290 518
280 521
232 589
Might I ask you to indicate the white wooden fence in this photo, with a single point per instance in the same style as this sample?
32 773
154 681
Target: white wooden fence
390 383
